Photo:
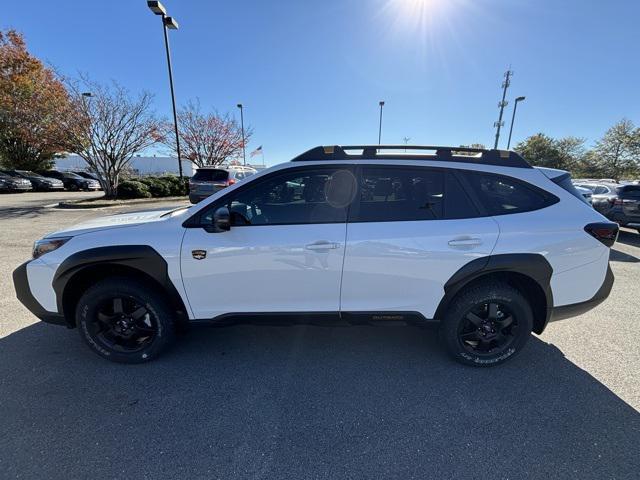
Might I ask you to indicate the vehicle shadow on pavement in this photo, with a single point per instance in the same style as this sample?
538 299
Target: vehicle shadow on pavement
24 212
618 256
629 238
305 402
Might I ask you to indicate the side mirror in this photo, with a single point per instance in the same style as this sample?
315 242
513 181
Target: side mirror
221 221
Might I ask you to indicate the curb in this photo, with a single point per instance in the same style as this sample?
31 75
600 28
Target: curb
82 204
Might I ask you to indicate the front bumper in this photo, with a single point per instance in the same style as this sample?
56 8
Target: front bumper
19 188
575 309
23 292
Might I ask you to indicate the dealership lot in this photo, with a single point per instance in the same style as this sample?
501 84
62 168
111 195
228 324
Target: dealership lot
298 402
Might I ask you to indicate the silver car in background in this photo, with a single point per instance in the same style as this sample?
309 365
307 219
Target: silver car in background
209 180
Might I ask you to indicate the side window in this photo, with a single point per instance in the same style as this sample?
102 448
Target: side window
400 194
320 195
601 190
502 195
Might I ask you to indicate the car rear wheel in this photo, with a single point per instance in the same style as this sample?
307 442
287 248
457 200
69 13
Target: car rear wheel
124 321
487 324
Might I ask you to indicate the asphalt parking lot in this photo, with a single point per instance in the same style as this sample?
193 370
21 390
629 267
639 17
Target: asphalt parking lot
315 402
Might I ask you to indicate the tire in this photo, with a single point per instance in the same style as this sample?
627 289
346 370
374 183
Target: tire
124 321
487 324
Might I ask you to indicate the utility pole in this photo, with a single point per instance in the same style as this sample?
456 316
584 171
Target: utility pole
503 103
244 153
381 103
513 118
406 141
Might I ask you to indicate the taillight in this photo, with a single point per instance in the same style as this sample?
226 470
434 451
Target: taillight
616 201
231 181
606 232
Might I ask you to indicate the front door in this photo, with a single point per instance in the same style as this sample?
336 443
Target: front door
284 251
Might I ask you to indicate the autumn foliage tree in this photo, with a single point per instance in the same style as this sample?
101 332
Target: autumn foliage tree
206 138
33 105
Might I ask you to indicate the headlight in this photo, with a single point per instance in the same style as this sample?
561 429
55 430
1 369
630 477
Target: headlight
46 245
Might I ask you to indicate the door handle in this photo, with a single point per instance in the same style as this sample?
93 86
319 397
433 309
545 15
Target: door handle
465 242
321 245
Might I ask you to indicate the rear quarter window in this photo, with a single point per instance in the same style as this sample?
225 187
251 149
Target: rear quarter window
629 191
564 181
210 175
502 195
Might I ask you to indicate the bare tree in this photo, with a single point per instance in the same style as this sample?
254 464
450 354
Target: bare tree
206 138
111 128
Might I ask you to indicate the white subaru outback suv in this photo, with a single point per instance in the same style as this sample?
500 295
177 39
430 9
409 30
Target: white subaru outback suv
478 240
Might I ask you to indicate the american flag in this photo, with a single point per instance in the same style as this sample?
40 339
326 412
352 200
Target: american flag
256 151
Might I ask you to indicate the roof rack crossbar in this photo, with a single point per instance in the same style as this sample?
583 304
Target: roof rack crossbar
503 158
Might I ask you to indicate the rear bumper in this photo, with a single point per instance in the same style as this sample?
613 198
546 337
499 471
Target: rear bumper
575 309
21 284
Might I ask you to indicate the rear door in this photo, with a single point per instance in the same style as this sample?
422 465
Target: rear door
409 231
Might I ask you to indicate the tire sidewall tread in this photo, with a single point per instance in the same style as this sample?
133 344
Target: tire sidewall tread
152 300
467 299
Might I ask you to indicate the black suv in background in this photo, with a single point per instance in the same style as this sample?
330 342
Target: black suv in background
619 203
72 181
38 181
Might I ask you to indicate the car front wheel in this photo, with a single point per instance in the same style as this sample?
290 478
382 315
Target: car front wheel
124 321
487 324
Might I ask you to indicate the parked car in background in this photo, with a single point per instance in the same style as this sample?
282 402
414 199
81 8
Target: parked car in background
72 181
88 176
209 180
37 181
619 203
586 193
11 183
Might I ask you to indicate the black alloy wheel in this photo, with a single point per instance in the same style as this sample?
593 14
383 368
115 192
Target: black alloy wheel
488 328
124 325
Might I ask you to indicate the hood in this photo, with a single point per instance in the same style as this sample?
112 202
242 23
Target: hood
112 221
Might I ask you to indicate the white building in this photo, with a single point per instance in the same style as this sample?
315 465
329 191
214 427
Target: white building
139 165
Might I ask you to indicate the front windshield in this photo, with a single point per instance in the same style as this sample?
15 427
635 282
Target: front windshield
71 175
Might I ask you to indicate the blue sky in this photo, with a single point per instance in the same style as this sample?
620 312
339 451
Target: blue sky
312 72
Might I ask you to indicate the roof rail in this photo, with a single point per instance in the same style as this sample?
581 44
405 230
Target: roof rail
504 158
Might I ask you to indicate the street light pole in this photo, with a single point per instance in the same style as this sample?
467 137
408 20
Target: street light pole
380 125
169 22
513 117
244 153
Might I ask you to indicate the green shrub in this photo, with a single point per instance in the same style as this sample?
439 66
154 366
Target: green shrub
157 187
177 189
133 189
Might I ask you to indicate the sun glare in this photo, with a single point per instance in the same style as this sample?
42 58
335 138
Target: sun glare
429 28
417 14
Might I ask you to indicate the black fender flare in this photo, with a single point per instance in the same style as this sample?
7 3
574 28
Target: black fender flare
532 265
142 258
